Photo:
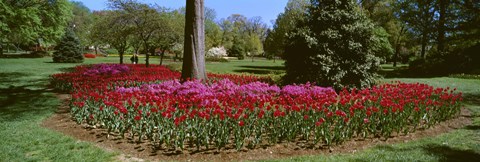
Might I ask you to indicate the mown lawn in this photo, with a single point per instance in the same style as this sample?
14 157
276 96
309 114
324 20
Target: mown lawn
26 100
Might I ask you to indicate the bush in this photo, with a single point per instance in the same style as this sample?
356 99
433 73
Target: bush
238 51
333 47
39 54
68 50
454 62
216 52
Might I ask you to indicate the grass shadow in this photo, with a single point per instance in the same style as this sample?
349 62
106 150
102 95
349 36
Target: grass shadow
451 154
253 71
406 73
16 101
264 67
260 69
473 99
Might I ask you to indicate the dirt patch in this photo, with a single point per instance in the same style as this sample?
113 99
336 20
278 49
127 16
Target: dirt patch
133 151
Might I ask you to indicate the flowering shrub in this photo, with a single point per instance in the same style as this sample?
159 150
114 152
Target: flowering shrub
244 111
89 55
106 69
217 52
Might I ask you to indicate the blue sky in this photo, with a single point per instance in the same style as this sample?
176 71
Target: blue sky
267 9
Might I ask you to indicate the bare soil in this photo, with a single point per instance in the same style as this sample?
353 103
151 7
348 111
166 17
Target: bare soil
62 122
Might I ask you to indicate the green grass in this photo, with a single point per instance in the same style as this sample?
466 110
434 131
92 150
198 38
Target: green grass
25 101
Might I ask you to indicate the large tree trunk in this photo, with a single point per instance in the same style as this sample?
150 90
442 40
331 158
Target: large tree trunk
194 44
441 25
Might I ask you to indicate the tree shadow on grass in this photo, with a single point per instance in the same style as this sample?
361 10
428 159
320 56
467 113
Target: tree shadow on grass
451 154
473 99
263 67
253 71
12 77
29 99
260 69
406 73
442 152
16 102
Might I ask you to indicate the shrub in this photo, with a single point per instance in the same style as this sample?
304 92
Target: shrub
238 51
68 50
39 54
333 47
216 52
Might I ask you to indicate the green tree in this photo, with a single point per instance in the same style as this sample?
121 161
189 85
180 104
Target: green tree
145 19
333 47
34 22
276 39
419 15
68 50
170 32
82 22
113 28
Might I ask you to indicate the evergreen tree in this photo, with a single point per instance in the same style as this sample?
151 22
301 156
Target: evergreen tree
68 50
332 47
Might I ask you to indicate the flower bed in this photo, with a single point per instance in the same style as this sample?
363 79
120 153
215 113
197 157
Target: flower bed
89 55
148 104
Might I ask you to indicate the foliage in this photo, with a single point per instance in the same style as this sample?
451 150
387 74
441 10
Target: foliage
113 28
68 50
237 50
27 22
244 112
243 35
382 47
333 47
82 22
277 38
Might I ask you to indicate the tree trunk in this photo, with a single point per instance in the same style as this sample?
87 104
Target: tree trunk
147 57
395 57
1 48
96 50
441 26
121 56
194 44
424 44
161 56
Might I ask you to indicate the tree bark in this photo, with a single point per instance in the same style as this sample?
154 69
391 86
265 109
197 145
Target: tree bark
121 52
194 44
1 48
441 25
161 56
424 44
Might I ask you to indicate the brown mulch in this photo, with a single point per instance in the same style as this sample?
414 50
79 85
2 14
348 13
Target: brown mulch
132 151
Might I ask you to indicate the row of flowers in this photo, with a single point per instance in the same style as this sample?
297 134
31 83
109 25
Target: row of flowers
149 104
